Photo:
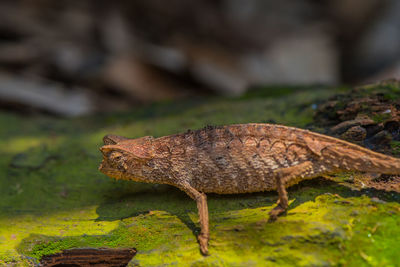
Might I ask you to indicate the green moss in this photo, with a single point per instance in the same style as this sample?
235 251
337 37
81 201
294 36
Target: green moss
395 145
390 90
378 118
52 196
328 231
274 91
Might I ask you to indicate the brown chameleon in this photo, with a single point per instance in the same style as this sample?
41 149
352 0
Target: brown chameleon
235 159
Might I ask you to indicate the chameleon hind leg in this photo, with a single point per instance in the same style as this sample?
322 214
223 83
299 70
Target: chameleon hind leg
283 177
201 201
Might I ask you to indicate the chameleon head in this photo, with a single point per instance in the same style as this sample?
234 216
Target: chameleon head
125 158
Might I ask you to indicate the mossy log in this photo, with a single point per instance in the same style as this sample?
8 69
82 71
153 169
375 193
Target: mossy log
53 198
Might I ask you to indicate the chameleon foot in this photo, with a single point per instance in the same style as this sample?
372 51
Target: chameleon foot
203 241
273 214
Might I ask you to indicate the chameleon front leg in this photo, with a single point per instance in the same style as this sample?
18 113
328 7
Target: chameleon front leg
282 177
201 201
283 201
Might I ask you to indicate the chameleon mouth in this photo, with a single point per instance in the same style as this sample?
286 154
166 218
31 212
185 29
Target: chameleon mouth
108 170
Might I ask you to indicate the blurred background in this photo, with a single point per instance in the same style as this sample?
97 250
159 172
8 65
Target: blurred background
72 58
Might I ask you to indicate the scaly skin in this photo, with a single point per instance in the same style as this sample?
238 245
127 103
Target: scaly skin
236 159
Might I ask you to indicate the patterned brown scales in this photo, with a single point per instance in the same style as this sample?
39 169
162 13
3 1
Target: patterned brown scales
234 159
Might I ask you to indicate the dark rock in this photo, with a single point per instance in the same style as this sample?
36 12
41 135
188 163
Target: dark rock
356 133
373 129
344 126
393 127
368 115
381 138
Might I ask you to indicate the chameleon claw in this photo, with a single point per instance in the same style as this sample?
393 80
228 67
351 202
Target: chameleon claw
203 241
274 213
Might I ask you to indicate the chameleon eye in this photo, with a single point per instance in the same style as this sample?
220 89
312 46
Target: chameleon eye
115 155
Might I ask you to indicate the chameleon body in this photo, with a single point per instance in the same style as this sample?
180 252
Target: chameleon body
234 159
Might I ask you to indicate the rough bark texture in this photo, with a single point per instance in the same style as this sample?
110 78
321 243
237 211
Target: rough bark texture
90 257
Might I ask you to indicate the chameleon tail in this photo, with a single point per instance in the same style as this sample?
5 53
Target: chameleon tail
352 157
